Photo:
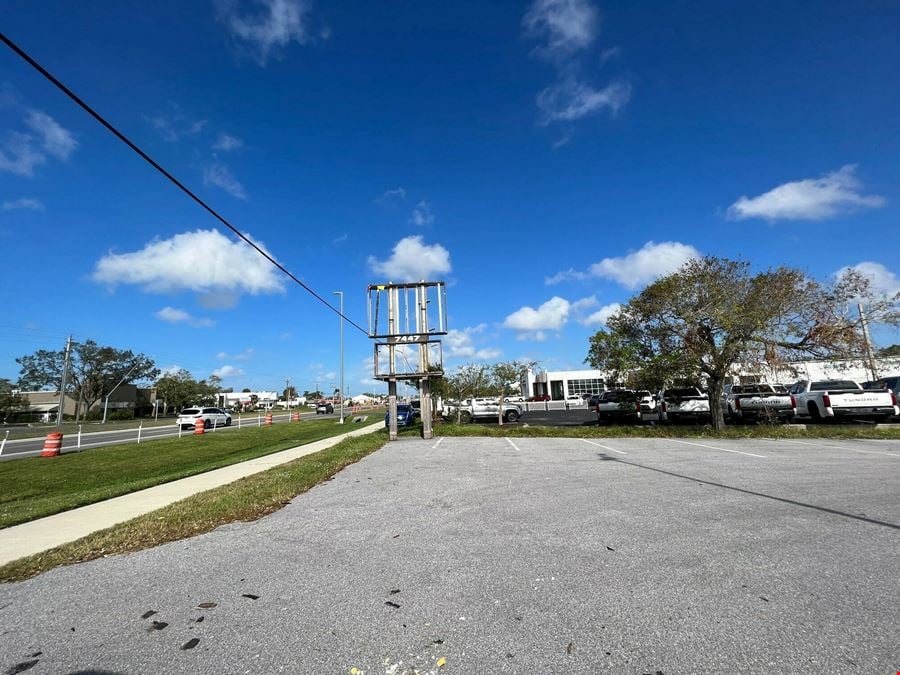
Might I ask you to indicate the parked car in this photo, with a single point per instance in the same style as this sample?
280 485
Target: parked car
648 403
324 409
684 403
828 399
513 399
593 400
406 416
621 405
891 382
470 410
540 397
212 417
753 402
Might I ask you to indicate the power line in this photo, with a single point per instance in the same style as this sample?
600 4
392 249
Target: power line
118 134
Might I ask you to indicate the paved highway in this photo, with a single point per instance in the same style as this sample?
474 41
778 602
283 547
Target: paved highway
28 447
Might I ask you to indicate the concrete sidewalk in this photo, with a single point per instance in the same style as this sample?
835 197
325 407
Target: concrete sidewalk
46 533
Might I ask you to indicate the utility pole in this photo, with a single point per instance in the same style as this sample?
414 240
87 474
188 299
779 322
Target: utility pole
867 341
62 384
287 392
341 293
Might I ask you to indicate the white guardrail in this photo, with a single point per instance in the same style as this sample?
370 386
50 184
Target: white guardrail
142 434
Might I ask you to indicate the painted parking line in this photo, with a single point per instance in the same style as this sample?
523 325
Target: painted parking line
600 445
515 447
438 442
836 447
713 447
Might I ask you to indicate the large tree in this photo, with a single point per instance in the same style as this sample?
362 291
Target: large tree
93 371
10 401
466 382
505 375
714 314
180 389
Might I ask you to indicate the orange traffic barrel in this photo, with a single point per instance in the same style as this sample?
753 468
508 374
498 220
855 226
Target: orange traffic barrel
199 427
268 421
52 444
295 417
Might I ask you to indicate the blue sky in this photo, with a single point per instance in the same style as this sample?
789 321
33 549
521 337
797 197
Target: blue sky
546 159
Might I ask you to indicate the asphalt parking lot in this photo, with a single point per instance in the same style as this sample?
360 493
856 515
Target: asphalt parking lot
517 555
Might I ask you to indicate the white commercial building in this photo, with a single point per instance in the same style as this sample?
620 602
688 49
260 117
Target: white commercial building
264 399
560 384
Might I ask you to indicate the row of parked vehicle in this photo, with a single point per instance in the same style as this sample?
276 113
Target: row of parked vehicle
817 399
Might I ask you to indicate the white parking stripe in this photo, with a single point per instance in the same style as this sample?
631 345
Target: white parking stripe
515 447
438 442
713 447
600 445
835 447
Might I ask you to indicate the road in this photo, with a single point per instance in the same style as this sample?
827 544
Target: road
28 447
525 555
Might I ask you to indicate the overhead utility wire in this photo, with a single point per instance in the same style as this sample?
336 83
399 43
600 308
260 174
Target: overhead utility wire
68 92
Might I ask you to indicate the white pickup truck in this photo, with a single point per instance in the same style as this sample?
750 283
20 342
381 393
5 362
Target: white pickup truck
827 399
684 403
752 402
470 410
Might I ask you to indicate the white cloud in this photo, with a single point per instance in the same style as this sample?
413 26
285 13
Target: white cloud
271 29
174 369
225 143
412 260
245 355
566 29
584 304
19 156
570 274
638 268
391 196
881 280
570 99
810 199
531 323
173 315
460 344
565 26
340 240
25 203
56 140
228 371
601 316
647 264
204 261
219 300
219 175
422 214
176 125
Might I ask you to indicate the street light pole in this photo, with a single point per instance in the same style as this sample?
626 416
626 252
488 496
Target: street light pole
341 294
106 402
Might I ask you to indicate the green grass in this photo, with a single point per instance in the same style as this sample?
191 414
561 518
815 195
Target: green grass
244 500
668 431
37 487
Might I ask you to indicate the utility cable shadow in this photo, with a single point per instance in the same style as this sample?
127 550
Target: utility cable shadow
792 502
